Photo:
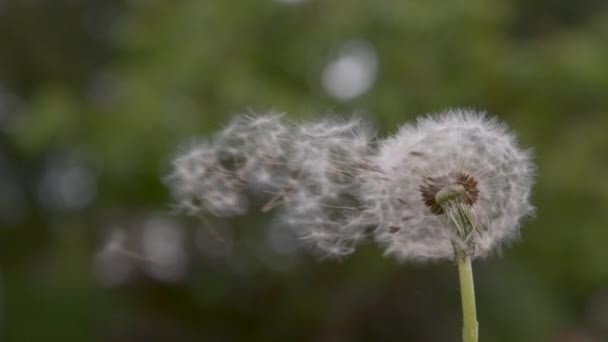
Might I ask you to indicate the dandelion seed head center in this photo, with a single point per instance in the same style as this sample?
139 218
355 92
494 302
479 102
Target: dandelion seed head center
455 185
450 192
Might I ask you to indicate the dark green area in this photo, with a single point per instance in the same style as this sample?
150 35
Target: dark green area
113 87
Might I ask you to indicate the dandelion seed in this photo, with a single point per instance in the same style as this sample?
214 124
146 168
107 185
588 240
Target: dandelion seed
308 171
212 176
329 154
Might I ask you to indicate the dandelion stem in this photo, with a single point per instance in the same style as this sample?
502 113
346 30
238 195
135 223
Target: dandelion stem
467 294
460 219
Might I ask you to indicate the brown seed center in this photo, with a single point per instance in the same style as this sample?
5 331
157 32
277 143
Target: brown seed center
432 185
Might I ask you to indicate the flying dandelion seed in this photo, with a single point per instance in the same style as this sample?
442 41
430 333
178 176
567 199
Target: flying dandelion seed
307 171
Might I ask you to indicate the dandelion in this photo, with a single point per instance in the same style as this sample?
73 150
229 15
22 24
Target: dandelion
458 151
453 185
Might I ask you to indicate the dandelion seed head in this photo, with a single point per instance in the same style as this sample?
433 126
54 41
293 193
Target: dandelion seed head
460 147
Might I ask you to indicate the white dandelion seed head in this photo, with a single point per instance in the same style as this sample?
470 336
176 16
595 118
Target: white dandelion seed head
454 147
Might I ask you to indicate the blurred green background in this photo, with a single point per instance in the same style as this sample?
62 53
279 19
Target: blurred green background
95 97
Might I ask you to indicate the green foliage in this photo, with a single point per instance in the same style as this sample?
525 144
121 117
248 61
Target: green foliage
152 74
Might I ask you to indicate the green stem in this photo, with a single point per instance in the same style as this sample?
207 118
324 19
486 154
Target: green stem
467 294
460 219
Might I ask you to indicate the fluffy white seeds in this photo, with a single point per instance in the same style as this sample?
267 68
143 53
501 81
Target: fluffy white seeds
211 177
307 171
333 186
323 204
455 148
202 185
